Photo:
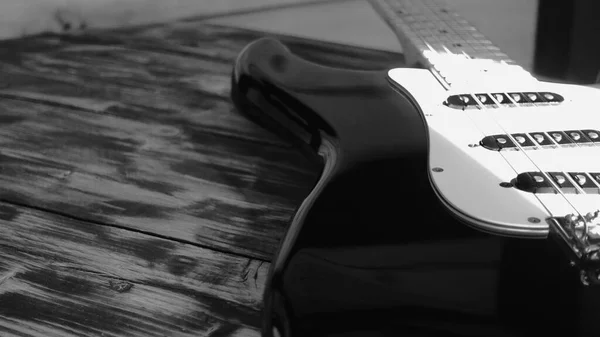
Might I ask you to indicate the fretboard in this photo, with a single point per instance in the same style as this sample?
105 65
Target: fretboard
435 36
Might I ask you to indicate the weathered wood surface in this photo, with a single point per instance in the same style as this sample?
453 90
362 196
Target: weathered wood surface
123 166
71 277
136 129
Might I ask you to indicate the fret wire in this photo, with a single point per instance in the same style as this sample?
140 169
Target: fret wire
425 18
425 24
488 49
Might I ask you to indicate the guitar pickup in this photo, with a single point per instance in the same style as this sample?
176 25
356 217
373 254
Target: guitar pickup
567 182
541 139
501 100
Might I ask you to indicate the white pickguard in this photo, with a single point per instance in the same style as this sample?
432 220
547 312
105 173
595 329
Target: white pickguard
469 182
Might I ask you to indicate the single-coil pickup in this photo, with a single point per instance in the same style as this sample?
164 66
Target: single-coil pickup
534 140
567 182
501 100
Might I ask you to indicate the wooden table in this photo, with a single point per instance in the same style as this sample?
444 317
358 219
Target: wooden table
134 200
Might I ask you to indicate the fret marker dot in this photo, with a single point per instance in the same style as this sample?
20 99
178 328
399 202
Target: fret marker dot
482 98
549 96
580 178
593 135
538 179
557 137
516 97
532 97
465 99
575 135
539 138
499 98
501 140
520 139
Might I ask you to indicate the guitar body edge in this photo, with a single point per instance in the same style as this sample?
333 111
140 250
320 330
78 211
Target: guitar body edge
372 251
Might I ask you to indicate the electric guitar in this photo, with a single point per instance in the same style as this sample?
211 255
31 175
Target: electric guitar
460 197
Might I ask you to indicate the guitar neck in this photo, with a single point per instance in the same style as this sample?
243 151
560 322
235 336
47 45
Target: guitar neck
436 37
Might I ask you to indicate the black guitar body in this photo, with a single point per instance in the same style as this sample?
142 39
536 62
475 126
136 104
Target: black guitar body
372 251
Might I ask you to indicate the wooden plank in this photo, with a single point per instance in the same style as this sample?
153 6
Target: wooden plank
64 277
130 135
134 128
169 179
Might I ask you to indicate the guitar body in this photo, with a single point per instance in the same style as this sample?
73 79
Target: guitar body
373 250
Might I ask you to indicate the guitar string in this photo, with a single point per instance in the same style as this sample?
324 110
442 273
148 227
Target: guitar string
477 126
550 180
564 173
555 186
418 34
545 173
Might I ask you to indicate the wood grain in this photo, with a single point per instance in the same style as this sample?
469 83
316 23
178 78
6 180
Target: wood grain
63 277
135 128
135 201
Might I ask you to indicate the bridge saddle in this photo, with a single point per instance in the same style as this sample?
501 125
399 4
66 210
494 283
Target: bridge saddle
581 235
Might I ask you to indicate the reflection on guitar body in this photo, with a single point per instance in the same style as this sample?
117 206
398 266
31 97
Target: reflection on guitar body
458 198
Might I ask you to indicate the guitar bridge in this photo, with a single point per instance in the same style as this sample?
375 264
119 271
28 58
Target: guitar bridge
581 235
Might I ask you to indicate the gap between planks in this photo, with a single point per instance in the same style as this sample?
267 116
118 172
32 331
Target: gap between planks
125 228
63 277
257 179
